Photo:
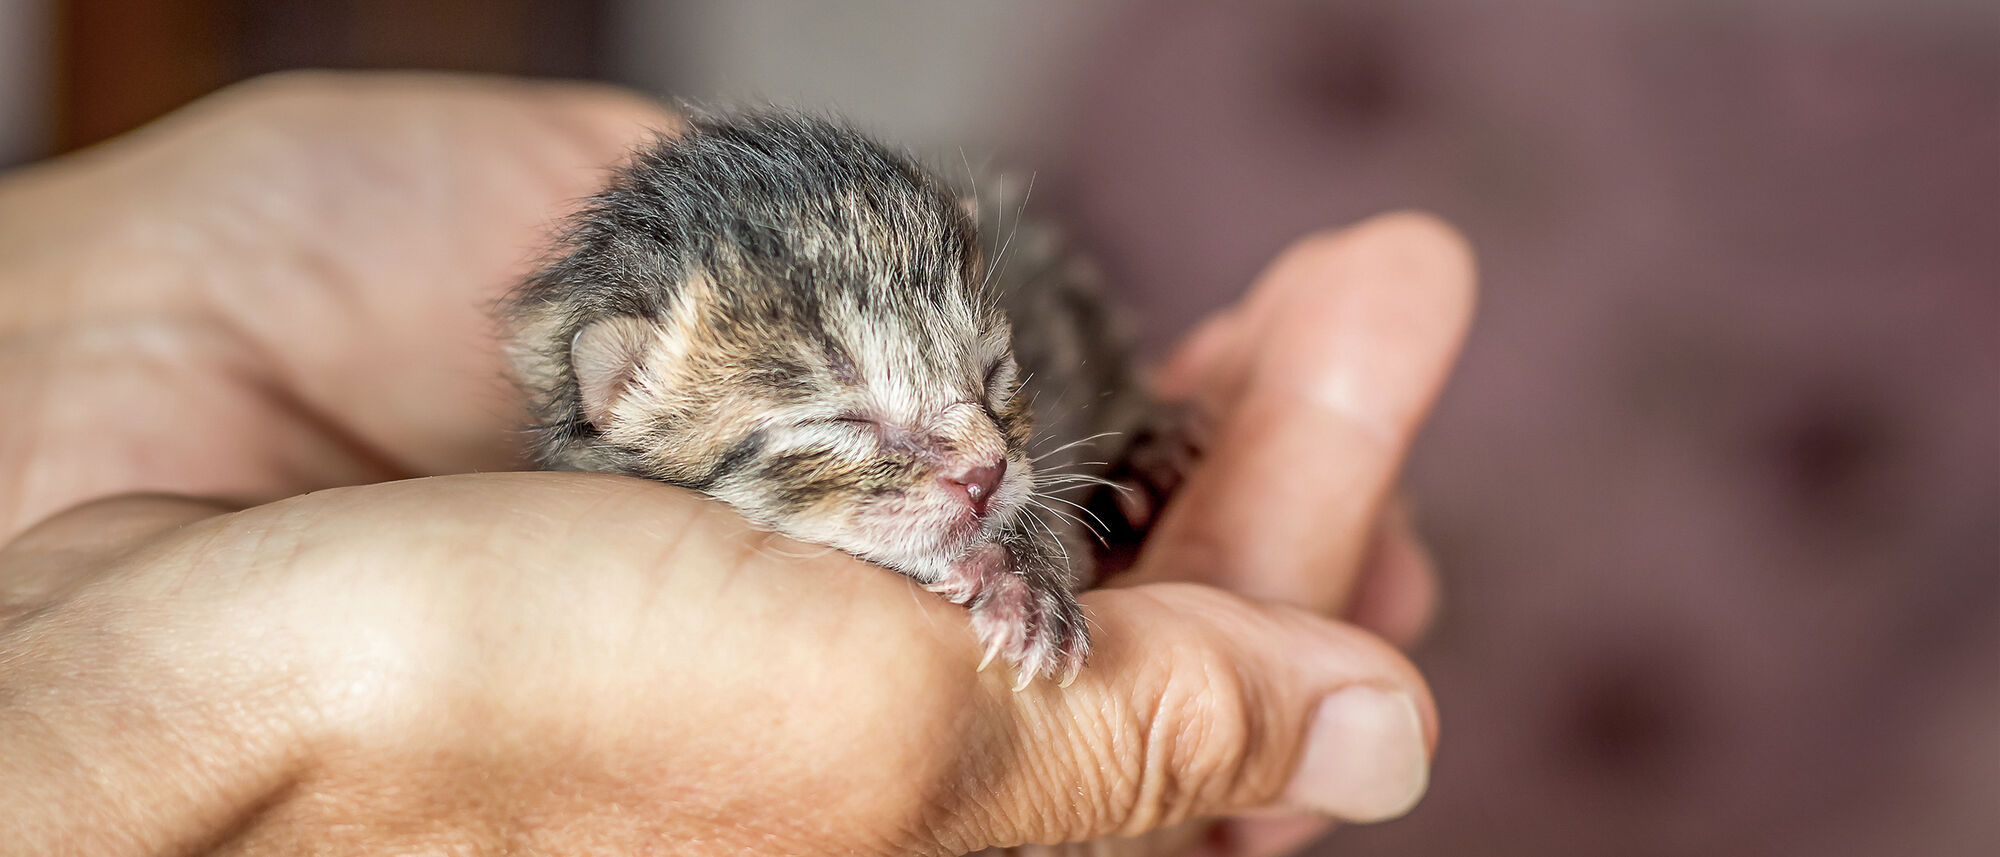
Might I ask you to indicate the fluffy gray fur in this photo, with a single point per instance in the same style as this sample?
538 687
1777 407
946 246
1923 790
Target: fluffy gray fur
780 312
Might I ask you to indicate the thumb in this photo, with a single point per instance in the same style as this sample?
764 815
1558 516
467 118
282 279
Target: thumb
1200 703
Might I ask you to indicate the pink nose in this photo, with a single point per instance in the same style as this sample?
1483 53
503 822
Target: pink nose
978 482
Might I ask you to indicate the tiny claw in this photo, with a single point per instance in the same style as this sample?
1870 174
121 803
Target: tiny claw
1070 673
1031 621
1022 678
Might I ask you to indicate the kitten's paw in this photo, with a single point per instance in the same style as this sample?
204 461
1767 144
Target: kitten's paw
1039 632
1143 478
1158 461
962 581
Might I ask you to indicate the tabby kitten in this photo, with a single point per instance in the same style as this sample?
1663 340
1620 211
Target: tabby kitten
777 311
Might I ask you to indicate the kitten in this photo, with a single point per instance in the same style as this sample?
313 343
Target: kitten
777 311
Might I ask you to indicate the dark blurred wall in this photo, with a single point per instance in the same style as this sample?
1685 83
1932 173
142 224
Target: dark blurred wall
121 63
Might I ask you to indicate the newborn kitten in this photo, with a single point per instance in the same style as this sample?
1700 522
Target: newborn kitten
777 311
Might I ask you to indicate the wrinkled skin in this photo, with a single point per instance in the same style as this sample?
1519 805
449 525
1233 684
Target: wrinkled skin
282 290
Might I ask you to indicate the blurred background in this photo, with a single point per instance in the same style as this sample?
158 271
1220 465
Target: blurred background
1716 491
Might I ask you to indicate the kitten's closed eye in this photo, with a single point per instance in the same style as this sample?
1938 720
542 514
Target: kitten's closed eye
850 420
999 381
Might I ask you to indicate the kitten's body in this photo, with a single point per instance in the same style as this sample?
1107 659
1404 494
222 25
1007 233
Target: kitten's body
779 312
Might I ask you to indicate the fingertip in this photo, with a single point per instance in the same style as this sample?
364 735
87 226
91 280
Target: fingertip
1366 756
1436 237
1241 705
1427 260
1432 254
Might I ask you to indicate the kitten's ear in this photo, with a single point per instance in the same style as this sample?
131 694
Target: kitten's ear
970 205
605 356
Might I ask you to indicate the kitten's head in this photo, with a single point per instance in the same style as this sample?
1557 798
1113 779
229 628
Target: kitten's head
784 315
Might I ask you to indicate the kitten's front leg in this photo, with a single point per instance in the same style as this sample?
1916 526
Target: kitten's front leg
1019 590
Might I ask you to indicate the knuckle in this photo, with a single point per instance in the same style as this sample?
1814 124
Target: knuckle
1197 740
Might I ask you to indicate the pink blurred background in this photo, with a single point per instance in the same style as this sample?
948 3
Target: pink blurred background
1717 488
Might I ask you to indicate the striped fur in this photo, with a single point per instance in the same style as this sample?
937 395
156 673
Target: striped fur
777 311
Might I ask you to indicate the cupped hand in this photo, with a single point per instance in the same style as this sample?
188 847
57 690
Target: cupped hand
286 286
563 663
284 290
1314 385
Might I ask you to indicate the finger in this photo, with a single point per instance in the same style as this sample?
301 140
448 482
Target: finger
1396 592
393 210
1198 703
1207 369
71 545
1338 356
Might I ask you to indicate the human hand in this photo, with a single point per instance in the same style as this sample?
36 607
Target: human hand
325 378
1316 384
563 663
285 286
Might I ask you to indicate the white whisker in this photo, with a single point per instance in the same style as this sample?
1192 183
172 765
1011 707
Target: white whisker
1079 479
1079 522
1000 258
972 181
1102 527
1060 547
1077 464
1102 434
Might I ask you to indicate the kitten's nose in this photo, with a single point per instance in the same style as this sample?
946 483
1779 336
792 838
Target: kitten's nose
978 481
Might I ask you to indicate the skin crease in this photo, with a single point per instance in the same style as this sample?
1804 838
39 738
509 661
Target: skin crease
287 282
